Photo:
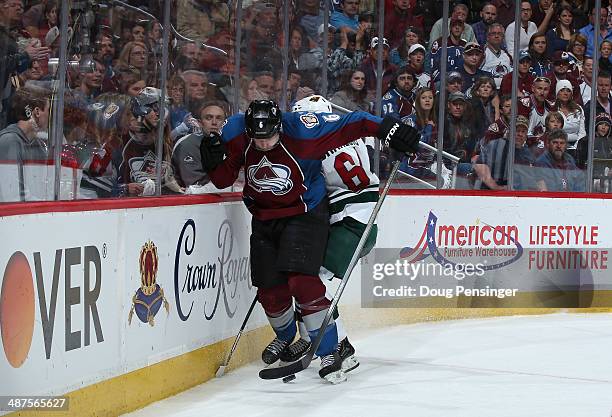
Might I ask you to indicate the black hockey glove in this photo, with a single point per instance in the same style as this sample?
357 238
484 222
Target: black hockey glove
399 136
212 151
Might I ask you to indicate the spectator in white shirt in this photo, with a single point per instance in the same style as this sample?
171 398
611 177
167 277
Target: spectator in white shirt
528 28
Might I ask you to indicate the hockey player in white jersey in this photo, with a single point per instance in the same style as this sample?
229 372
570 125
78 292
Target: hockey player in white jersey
353 191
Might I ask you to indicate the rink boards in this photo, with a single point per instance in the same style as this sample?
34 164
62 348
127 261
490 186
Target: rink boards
124 302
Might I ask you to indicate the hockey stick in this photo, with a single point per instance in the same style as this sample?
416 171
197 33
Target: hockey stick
298 366
221 369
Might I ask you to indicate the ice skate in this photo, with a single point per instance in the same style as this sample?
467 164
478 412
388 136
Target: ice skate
295 351
331 368
347 355
273 351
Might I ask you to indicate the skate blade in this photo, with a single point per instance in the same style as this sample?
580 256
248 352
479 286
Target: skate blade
335 377
350 363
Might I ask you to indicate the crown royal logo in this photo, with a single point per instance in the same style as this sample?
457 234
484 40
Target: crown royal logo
148 299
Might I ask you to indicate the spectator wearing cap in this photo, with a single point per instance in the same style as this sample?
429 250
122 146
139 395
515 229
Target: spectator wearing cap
589 30
460 12
604 102
560 72
416 62
404 15
34 73
488 16
525 77
399 55
454 50
369 66
573 115
492 163
602 148
470 70
398 101
459 137
540 63
497 60
556 169
527 28
535 107
558 37
348 17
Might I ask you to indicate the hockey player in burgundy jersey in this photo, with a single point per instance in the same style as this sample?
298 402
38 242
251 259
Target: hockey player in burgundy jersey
285 191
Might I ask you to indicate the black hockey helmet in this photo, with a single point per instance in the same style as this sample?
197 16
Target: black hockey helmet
262 119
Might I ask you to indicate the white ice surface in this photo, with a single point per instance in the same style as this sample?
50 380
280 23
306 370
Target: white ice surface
524 366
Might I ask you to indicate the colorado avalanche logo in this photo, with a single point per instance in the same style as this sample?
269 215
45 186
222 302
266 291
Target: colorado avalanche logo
266 176
500 70
309 120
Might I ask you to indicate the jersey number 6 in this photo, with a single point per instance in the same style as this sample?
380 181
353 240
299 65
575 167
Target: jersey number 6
351 173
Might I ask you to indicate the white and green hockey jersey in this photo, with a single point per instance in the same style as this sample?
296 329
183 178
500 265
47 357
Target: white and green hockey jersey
351 186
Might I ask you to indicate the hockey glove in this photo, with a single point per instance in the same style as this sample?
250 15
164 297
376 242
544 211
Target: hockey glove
399 136
212 151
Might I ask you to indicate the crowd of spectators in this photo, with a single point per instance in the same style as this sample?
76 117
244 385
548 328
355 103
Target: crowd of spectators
112 99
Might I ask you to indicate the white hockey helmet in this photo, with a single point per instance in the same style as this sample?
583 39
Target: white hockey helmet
315 104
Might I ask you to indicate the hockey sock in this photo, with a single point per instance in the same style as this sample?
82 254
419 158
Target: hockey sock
309 292
278 305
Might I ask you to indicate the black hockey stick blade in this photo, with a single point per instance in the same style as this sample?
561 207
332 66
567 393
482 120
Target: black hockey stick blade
298 366
286 370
